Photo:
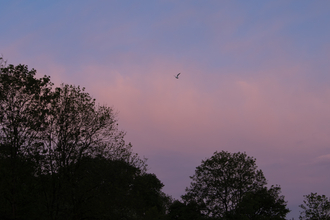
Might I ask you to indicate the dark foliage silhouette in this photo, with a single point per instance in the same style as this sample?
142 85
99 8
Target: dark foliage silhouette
62 156
224 185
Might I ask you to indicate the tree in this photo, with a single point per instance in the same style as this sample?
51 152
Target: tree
220 182
315 207
263 204
78 128
22 98
63 157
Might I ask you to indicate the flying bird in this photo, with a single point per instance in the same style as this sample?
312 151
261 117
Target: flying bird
177 76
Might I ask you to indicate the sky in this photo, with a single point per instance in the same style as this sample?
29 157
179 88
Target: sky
254 78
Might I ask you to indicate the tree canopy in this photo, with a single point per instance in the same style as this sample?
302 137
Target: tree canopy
262 204
315 207
62 156
225 184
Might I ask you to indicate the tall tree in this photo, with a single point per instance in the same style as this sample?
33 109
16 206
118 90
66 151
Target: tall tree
78 128
63 157
315 207
221 181
22 98
45 136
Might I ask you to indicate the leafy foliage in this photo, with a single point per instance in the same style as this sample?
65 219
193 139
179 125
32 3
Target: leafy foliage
22 98
315 207
77 127
263 204
220 182
63 157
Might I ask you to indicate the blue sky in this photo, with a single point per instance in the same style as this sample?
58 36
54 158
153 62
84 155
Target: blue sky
255 78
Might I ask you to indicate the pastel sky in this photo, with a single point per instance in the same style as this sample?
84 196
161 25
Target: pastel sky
254 78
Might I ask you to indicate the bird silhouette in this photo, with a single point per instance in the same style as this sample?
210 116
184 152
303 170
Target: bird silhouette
177 76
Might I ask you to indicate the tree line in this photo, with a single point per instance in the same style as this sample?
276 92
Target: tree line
62 156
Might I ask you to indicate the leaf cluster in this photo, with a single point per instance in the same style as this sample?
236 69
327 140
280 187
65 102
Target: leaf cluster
315 207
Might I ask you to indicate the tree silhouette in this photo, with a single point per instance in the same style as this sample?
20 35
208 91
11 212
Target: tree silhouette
315 207
22 98
223 184
62 156
263 204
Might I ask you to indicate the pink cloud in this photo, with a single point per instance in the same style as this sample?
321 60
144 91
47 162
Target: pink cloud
261 110
284 124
